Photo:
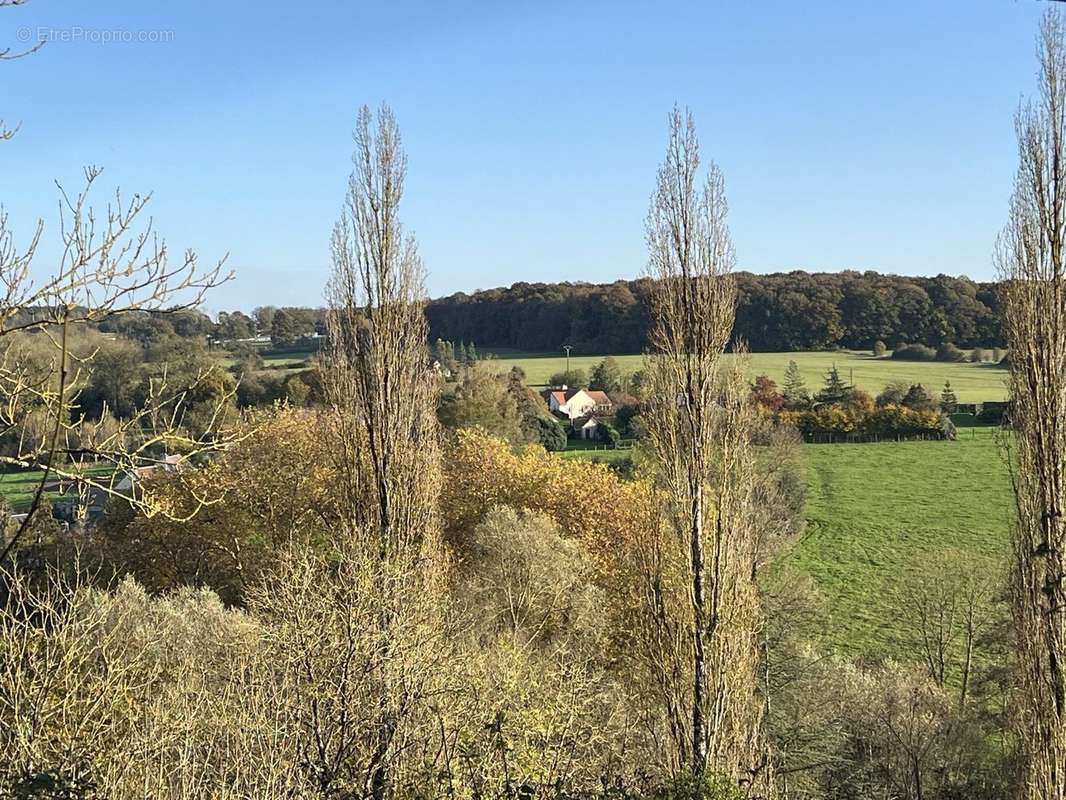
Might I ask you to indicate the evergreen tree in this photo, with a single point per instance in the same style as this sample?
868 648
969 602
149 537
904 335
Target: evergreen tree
949 403
461 355
547 432
795 390
835 390
471 354
919 399
606 376
284 328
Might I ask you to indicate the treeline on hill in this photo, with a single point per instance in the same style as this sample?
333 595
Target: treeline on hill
778 312
775 313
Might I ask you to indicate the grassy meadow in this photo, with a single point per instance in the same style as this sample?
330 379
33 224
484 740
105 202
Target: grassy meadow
285 362
875 511
18 488
972 382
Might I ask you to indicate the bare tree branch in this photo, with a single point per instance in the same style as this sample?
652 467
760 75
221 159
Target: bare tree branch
110 264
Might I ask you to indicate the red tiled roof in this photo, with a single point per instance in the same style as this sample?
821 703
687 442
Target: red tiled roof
601 398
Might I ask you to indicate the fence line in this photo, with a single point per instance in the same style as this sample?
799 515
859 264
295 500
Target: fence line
866 438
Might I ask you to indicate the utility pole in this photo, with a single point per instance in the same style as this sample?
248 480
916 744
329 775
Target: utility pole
567 348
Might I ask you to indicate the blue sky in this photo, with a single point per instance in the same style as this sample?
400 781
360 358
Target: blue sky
852 135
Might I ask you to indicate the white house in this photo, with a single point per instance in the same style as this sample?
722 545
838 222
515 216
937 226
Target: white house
575 403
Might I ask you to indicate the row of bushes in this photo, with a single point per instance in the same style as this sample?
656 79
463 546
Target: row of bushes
851 422
946 352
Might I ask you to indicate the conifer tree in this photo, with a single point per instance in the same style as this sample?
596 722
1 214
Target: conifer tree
795 389
918 398
949 403
835 390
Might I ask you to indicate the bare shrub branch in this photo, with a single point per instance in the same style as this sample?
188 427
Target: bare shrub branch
110 264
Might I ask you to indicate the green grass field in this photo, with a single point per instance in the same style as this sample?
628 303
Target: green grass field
875 511
287 361
972 382
18 488
281 362
596 451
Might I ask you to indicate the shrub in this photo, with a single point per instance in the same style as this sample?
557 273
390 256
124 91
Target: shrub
949 352
886 421
879 348
764 394
259 389
706 787
608 434
893 394
947 428
859 400
624 416
919 399
574 378
548 433
914 352
992 413
977 355
638 428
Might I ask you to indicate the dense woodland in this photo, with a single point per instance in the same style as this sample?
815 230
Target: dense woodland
778 312
791 311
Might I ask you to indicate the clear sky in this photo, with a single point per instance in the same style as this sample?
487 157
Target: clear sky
852 135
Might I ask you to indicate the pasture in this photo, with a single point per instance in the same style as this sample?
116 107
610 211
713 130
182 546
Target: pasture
18 488
972 382
285 362
875 511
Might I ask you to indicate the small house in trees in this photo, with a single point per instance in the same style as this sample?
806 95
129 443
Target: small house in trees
588 428
576 403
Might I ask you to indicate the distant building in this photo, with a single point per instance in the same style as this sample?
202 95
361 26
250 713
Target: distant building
588 428
574 404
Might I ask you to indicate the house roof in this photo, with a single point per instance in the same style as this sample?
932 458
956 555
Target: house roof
563 396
